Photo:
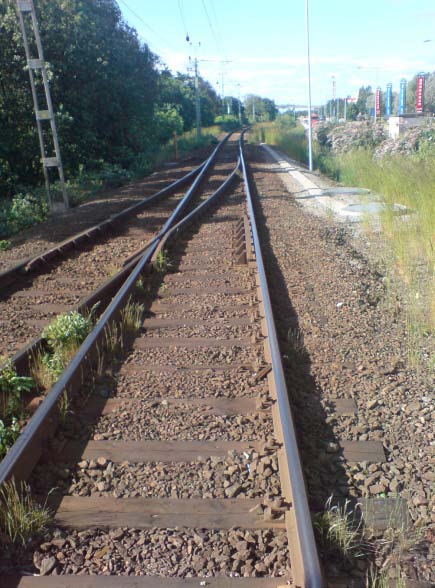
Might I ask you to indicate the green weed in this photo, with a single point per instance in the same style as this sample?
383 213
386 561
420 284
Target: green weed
63 335
9 433
141 286
382 578
339 529
64 407
21 517
131 318
47 367
162 262
113 344
12 386
67 330
5 245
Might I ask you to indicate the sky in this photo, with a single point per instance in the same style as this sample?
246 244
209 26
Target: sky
259 46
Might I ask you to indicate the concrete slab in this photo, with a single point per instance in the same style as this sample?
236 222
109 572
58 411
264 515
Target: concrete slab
380 514
346 204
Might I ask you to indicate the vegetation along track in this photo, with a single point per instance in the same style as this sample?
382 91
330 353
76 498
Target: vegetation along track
39 288
182 466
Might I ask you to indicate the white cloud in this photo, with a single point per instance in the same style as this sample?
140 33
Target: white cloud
284 79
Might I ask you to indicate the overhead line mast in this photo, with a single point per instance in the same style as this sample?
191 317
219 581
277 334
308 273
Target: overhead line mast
26 8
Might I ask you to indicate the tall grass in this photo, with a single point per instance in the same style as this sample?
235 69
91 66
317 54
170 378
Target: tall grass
407 180
289 138
186 143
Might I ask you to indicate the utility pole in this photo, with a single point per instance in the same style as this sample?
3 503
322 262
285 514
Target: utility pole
196 82
334 101
26 9
223 93
310 130
223 62
197 101
240 105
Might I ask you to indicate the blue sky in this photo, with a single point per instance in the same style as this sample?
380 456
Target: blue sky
359 43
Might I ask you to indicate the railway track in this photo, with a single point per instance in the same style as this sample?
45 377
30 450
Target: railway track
182 467
34 291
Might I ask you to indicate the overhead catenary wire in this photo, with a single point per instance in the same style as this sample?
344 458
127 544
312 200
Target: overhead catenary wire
181 11
218 45
218 28
167 43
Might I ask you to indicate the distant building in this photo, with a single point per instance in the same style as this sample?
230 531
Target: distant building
397 125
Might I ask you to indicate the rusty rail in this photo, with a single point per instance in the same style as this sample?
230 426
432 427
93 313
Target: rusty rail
25 453
304 556
9 275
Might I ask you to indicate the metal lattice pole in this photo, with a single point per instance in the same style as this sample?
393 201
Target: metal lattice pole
26 7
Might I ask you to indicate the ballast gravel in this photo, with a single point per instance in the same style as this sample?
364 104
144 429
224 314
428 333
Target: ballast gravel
246 475
181 383
182 553
185 357
97 208
217 331
343 334
152 420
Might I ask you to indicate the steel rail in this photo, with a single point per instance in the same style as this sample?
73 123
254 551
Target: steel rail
309 575
198 210
25 453
182 204
21 358
9 275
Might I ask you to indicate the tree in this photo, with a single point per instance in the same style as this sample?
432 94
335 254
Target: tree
264 108
103 85
210 103
270 109
178 91
429 93
19 150
352 111
365 94
167 121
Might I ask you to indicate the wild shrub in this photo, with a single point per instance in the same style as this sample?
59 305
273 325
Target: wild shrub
63 335
9 433
11 388
67 330
25 210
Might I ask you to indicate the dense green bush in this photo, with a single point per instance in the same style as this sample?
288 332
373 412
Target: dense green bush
227 122
112 102
66 330
25 210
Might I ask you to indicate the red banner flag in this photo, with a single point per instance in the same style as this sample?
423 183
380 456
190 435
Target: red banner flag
378 102
419 95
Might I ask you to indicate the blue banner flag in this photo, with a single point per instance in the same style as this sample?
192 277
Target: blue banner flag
388 100
402 97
